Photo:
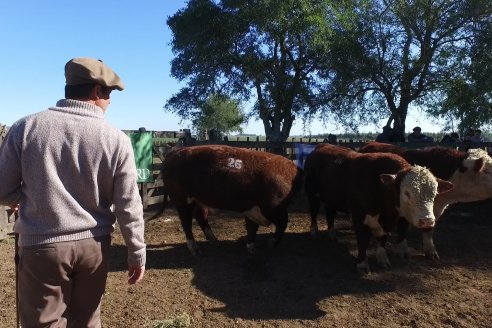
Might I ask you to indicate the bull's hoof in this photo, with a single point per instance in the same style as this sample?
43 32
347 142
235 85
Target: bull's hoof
403 249
382 257
250 247
314 231
209 235
430 251
432 255
193 247
363 267
272 242
332 235
212 239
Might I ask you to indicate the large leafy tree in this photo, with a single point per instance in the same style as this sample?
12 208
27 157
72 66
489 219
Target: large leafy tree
219 113
264 51
468 98
403 52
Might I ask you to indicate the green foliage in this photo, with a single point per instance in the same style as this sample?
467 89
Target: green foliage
349 62
267 51
402 52
221 113
469 97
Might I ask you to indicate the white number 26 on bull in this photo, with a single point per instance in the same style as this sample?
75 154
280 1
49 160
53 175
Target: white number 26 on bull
235 163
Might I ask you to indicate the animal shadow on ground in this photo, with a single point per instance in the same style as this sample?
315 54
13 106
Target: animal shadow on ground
289 281
285 282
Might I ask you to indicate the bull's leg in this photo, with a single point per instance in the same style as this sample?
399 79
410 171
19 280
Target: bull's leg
381 254
251 229
363 235
402 229
201 215
186 216
372 222
330 221
280 227
314 204
428 244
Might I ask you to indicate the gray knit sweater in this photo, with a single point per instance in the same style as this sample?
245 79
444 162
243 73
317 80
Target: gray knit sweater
66 166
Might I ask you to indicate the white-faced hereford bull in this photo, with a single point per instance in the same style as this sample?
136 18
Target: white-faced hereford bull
377 189
257 184
470 172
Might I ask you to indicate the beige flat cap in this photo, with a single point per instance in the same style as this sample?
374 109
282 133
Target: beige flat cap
90 70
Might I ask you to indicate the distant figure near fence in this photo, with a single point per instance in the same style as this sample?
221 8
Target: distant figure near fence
385 136
477 136
453 137
418 136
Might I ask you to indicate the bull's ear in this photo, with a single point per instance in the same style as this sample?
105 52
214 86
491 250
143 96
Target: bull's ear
474 165
387 179
479 163
443 186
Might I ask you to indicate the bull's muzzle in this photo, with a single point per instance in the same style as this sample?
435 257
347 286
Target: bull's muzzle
426 223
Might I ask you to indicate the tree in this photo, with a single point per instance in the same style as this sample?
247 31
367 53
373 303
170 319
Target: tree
469 97
262 50
402 52
219 113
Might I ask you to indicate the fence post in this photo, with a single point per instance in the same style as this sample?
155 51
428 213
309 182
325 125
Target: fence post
145 196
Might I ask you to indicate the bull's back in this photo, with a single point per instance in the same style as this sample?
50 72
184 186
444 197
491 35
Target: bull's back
365 170
326 174
443 162
351 180
380 147
229 178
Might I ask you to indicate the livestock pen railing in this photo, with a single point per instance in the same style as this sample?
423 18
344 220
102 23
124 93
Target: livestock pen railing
153 193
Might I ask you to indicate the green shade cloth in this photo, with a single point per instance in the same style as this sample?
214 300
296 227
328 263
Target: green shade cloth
142 148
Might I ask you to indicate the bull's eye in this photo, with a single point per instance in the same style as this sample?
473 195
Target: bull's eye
407 194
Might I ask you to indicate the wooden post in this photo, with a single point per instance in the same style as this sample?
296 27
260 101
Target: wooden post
145 196
6 222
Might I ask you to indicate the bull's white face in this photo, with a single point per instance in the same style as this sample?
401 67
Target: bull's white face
417 192
476 182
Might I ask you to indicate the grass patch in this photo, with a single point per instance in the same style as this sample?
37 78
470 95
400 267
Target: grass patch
10 240
179 321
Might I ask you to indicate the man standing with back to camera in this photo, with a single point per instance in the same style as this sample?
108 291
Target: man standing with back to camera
66 166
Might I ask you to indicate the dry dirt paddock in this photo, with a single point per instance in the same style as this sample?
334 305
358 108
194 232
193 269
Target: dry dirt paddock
301 283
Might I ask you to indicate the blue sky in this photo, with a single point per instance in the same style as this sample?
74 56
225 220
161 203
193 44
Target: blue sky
39 37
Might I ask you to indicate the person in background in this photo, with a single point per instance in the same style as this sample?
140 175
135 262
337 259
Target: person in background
385 136
66 166
332 139
469 133
477 136
418 136
397 135
453 137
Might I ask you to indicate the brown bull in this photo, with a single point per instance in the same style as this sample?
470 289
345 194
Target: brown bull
470 172
257 184
376 189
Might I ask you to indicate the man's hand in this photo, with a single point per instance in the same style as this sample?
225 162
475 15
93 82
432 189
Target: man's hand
135 274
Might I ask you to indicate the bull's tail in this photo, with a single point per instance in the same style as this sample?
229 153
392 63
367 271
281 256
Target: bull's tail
162 207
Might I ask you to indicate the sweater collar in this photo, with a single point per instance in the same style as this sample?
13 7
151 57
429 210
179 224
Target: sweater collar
78 107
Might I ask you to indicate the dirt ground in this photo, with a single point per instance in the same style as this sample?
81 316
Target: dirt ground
304 282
